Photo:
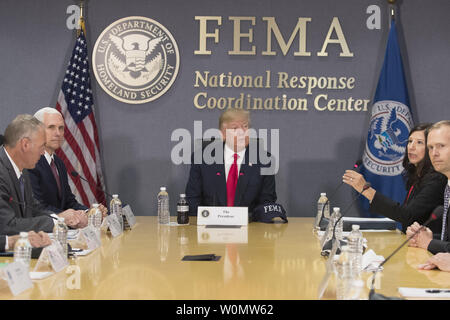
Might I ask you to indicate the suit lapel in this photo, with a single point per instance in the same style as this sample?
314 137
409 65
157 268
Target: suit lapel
50 176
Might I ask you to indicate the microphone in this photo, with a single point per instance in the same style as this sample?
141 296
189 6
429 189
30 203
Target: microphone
437 213
328 245
325 220
11 200
76 174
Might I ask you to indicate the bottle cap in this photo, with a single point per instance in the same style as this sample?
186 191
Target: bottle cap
115 196
182 195
60 219
23 234
163 188
336 209
355 227
95 205
323 194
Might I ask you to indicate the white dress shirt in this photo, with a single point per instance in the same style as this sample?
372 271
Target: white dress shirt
228 156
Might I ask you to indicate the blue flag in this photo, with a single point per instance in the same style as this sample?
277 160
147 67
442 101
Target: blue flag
390 124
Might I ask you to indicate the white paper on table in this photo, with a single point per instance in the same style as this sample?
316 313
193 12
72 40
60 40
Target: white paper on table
422 292
83 252
371 260
40 275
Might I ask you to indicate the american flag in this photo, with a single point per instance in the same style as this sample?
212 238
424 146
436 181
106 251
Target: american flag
80 150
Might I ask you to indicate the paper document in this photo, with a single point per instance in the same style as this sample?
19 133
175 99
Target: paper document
431 293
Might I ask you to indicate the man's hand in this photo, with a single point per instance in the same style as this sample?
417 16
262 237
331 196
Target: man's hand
104 210
40 239
71 218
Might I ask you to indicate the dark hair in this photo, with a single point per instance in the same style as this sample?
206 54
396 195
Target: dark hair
413 174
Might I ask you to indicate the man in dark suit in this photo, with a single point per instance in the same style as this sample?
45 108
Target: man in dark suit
236 177
24 141
438 144
49 178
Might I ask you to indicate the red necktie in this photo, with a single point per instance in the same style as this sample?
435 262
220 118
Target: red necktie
55 174
232 182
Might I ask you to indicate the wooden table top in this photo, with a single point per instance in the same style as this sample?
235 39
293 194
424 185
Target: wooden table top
261 261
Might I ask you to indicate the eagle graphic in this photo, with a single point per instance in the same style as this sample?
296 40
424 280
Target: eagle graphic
386 132
135 61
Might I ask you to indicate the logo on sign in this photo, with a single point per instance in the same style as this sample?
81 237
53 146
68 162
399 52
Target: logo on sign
390 125
136 60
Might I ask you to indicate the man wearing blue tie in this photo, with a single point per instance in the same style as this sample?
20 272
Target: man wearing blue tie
439 150
49 178
234 179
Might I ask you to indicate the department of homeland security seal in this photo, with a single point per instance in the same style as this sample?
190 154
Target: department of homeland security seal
390 125
136 60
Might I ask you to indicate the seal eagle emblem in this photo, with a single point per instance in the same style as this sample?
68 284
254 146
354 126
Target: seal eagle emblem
390 125
136 60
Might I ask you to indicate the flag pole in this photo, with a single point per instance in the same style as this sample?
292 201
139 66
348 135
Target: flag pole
81 21
392 9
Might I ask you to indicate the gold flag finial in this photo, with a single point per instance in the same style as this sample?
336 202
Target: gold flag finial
81 22
391 8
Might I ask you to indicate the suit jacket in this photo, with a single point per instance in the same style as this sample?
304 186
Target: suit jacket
418 207
2 243
15 217
207 185
45 188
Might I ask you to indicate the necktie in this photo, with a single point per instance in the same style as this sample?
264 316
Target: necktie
55 174
445 216
232 182
22 187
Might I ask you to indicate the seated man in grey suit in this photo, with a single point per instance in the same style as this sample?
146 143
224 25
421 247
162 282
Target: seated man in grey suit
49 178
37 240
24 141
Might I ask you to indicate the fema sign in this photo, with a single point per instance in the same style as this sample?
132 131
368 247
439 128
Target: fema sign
136 60
390 125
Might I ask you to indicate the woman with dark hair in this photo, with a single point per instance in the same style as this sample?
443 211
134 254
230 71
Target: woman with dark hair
425 186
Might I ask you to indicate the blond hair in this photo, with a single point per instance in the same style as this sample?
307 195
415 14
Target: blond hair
233 114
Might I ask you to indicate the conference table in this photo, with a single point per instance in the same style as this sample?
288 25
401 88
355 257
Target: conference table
261 261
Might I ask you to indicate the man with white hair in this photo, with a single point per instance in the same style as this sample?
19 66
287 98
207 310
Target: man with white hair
49 178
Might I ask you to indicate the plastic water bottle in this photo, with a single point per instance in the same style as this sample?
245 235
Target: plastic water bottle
22 249
340 225
182 210
163 206
95 216
321 203
116 208
344 277
355 244
60 233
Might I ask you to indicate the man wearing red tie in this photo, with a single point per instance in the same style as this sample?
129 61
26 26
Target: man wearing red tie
236 179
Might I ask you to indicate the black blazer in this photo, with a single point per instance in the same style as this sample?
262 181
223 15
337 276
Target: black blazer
207 185
418 207
15 217
46 191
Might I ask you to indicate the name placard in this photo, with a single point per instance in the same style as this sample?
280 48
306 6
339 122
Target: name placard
222 216
92 237
114 225
128 213
17 276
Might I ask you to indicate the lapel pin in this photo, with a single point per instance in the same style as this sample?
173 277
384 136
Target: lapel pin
218 174
241 174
